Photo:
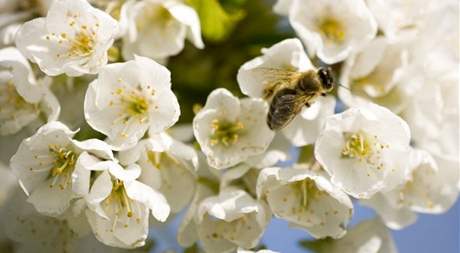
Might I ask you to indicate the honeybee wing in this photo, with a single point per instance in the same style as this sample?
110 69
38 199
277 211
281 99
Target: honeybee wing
276 79
285 106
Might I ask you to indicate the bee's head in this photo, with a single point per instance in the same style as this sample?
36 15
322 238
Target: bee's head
326 78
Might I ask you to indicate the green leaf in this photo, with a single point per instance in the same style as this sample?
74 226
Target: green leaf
216 22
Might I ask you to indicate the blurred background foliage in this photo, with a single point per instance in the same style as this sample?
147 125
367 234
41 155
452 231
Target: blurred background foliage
234 31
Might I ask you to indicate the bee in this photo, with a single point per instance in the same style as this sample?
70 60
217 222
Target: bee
292 90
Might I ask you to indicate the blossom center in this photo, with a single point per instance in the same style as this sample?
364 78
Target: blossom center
153 15
225 132
82 44
308 191
363 147
119 197
134 103
159 159
63 166
332 29
9 95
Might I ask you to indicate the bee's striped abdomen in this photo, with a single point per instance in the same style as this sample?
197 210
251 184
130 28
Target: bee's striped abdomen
281 109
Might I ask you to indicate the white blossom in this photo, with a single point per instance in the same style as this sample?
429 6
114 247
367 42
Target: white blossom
282 7
305 127
370 236
398 19
230 220
22 97
377 73
167 166
50 169
187 233
428 188
230 130
248 171
364 150
127 99
158 28
119 205
306 199
332 29
73 38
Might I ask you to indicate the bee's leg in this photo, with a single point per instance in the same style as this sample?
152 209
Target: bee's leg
307 104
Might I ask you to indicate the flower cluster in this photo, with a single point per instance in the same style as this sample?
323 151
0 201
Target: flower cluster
367 94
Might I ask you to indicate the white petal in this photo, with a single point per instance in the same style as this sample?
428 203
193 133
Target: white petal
229 205
96 147
187 16
81 173
23 77
154 200
393 217
100 190
187 231
51 201
130 173
306 126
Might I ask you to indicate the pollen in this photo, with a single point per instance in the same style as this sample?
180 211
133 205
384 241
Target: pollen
82 44
332 29
119 200
133 103
363 147
12 97
225 132
63 166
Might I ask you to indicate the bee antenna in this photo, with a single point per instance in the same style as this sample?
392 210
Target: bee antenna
339 84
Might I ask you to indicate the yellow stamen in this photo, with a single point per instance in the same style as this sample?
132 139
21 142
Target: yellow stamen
332 29
226 133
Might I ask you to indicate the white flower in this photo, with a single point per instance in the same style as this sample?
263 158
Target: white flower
167 166
119 205
376 73
33 232
50 169
255 80
127 99
187 233
22 96
332 29
364 150
428 188
158 28
305 127
288 54
396 18
9 25
370 236
240 250
282 7
230 220
248 171
306 199
73 38
432 113
230 130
